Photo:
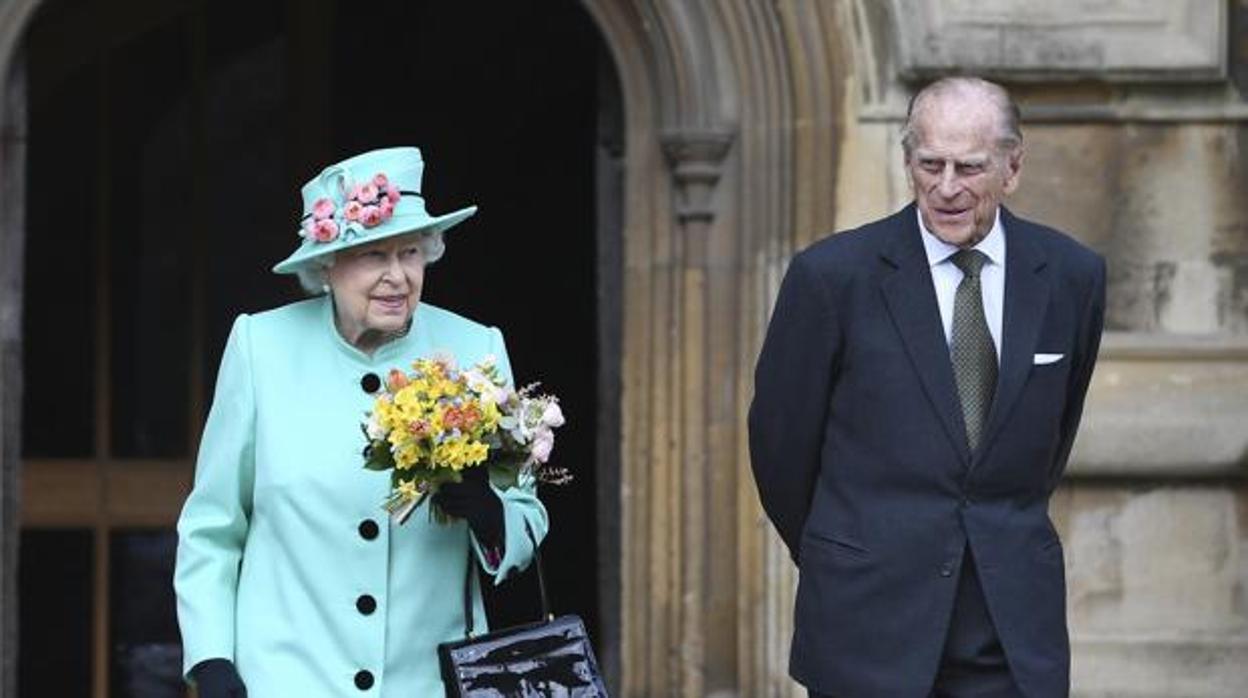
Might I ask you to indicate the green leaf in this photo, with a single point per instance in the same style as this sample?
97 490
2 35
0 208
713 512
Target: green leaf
378 457
504 476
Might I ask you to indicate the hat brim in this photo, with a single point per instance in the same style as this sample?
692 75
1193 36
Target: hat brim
309 252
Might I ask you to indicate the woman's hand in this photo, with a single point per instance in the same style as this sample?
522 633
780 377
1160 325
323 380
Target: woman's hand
217 678
476 502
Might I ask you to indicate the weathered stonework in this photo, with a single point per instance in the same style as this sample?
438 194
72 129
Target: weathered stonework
1064 39
1155 575
1162 406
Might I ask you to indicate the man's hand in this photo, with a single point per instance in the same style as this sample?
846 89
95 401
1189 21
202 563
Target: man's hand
217 678
476 502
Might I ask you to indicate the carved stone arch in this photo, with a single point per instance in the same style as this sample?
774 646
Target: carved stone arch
732 112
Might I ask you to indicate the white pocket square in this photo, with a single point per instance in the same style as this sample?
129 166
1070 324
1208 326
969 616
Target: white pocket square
1042 359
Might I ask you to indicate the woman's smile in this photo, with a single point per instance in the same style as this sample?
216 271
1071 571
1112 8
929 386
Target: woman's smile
391 304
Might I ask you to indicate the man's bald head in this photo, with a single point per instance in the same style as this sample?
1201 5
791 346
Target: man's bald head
964 90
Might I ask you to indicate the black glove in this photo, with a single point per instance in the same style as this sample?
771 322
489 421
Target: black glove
217 678
474 501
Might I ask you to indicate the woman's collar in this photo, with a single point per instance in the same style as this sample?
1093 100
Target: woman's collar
392 346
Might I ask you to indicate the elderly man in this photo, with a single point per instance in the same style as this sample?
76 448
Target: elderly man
915 401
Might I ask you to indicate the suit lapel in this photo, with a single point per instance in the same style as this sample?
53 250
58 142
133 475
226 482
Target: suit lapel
911 301
1026 298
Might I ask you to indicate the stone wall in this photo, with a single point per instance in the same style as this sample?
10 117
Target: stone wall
1142 156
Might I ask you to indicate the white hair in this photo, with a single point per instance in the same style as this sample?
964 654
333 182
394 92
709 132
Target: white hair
1010 135
314 276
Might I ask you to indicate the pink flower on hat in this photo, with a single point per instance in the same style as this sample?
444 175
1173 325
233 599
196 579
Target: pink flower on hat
371 216
325 230
322 209
370 204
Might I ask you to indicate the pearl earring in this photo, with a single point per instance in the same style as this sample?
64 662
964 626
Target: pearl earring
325 288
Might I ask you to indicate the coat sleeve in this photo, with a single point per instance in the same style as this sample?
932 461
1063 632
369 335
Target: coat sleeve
520 503
212 529
1089 344
792 389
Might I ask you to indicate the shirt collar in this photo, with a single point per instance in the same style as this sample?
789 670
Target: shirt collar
993 244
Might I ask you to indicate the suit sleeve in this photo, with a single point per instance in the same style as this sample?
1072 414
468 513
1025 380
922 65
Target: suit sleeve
792 389
212 529
520 503
1089 346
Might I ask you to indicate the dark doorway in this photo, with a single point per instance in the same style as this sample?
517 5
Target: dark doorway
168 141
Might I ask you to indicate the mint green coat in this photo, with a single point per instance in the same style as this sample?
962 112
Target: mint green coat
275 566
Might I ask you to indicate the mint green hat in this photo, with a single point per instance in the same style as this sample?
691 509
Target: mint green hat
369 197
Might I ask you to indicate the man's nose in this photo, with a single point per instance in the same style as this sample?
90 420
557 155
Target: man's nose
948 186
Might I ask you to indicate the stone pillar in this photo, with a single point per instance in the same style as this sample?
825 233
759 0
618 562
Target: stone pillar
705 649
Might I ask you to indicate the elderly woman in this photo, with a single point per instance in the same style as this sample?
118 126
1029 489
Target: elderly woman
290 579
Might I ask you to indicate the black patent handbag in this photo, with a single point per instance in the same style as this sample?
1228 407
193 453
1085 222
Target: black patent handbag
550 658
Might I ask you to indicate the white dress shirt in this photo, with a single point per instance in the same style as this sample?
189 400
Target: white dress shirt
946 276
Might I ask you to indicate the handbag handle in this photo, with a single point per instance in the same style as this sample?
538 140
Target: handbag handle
471 572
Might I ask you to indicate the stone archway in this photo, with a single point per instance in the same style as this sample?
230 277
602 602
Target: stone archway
731 114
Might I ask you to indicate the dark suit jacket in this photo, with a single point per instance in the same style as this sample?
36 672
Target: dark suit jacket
861 459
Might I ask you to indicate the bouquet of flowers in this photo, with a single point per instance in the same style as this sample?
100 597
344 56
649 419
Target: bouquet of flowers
429 425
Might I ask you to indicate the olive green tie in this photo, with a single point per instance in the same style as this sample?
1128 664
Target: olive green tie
971 348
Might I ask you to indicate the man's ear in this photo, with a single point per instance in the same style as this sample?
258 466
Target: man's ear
1013 169
905 167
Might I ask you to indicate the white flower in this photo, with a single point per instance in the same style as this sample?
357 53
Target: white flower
445 358
375 430
501 394
543 443
479 384
552 416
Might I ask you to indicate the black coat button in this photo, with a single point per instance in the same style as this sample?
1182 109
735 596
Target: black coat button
370 383
946 570
363 680
368 529
366 604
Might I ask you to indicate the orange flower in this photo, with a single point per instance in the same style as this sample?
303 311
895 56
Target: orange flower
396 380
462 418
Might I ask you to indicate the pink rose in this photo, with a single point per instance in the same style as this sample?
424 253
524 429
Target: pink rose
352 210
543 443
380 180
325 231
392 193
387 209
309 229
368 193
370 216
322 209
355 192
